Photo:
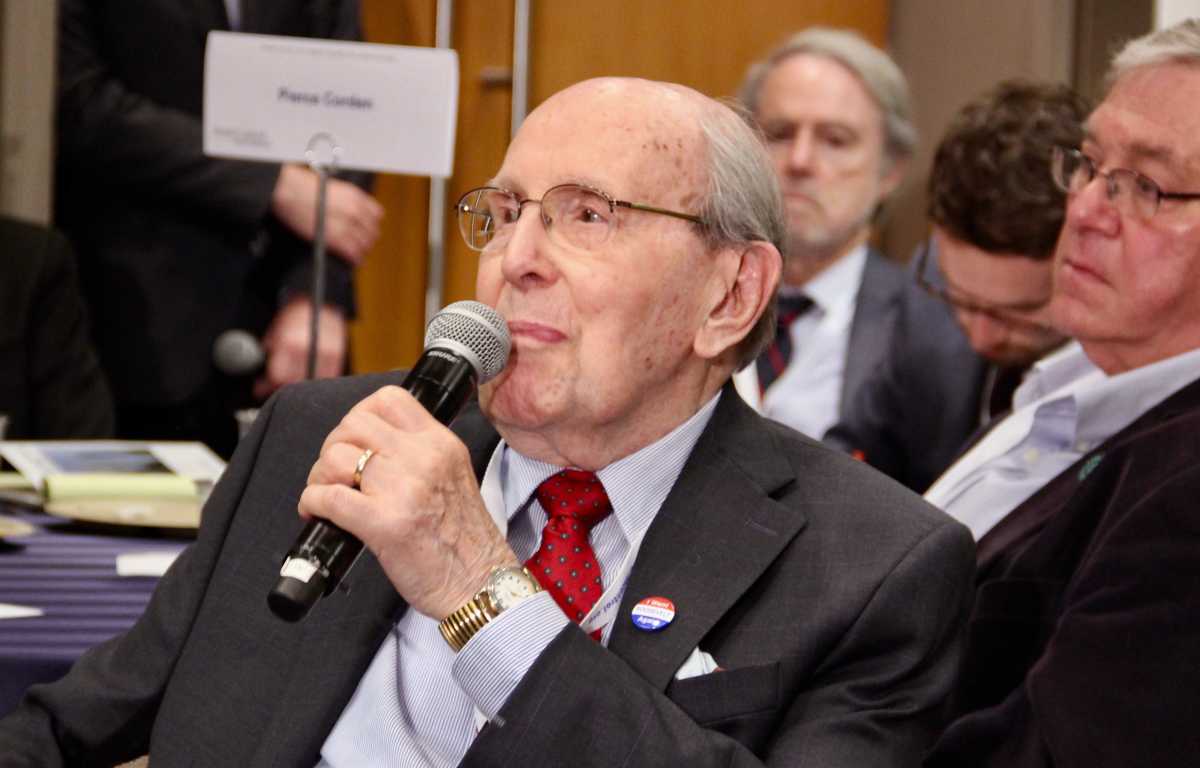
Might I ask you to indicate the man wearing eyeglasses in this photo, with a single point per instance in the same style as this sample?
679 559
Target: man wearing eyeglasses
836 115
995 214
1082 643
701 586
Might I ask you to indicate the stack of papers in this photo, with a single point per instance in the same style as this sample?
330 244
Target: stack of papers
160 484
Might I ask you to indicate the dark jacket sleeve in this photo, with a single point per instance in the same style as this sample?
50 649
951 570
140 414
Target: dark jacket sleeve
108 131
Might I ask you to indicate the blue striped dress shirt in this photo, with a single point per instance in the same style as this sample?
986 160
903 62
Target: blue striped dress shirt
416 705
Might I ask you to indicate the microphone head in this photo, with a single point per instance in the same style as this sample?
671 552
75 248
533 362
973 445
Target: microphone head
475 331
237 353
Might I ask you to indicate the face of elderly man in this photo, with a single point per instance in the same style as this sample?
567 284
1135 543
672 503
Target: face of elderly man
610 339
826 138
1128 287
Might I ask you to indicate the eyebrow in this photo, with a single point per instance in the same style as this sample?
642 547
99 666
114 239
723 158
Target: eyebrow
1141 150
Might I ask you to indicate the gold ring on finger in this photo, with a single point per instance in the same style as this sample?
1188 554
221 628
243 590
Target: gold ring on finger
360 466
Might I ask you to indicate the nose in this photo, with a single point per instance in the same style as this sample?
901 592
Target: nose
802 152
1094 207
524 259
986 334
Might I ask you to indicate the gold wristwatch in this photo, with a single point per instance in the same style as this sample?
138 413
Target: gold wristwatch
504 588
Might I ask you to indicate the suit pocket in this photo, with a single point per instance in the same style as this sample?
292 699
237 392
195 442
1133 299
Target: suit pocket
728 695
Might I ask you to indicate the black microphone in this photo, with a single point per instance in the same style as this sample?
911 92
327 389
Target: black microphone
466 344
238 353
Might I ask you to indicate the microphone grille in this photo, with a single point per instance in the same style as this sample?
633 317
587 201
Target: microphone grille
475 330
236 353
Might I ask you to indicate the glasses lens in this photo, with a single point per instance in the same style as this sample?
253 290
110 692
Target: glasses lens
1145 194
484 213
578 216
1072 170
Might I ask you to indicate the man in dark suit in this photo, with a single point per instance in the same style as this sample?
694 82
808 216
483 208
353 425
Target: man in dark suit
1082 642
810 606
175 247
975 317
51 385
836 115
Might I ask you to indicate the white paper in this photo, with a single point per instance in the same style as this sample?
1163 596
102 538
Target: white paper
386 107
10 611
145 563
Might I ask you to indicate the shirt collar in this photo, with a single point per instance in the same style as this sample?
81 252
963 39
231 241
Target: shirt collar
637 484
836 286
1103 405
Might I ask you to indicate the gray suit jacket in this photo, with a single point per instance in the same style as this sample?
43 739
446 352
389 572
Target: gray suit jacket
874 315
833 599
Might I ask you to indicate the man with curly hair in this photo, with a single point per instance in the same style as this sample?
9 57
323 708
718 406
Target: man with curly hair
995 215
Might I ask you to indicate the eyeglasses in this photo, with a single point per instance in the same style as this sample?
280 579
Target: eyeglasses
574 215
1133 193
1013 316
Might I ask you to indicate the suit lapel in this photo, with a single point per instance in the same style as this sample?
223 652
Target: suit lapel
870 328
718 530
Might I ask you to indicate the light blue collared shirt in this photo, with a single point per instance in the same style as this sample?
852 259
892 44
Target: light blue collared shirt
1065 408
416 704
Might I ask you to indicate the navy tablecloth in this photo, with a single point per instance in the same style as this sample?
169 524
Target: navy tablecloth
69 571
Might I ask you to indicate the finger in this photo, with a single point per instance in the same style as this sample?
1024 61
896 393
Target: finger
397 407
339 504
336 464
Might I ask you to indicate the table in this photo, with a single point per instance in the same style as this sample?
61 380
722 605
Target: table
69 571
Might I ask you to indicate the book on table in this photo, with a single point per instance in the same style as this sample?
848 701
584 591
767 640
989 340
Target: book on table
118 482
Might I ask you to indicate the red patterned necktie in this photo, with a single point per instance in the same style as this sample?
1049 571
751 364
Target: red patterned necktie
774 359
565 564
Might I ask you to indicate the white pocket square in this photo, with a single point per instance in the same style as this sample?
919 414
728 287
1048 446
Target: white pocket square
698 663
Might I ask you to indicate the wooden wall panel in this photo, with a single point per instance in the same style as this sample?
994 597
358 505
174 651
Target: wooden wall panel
705 44
391 283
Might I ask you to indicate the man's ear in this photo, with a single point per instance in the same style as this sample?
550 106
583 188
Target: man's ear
893 176
745 281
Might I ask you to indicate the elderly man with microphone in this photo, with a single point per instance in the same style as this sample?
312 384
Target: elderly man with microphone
611 561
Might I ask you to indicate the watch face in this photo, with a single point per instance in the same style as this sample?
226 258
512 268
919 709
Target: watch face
509 587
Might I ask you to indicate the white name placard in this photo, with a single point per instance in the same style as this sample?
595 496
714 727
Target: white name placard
385 107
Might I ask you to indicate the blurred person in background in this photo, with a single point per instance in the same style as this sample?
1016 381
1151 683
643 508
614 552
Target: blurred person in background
51 385
175 247
976 315
837 118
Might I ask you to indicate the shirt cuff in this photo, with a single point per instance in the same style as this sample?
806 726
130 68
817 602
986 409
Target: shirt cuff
493 662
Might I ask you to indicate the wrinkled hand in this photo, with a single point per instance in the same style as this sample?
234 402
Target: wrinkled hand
351 216
418 510
286 345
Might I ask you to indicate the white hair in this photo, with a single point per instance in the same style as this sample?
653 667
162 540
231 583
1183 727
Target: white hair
1178 43
883 80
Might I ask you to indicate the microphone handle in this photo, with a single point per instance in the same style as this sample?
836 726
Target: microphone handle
323 553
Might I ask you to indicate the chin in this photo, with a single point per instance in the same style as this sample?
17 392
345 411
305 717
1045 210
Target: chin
516 401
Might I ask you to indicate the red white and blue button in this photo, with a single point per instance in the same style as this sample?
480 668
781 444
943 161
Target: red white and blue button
653 613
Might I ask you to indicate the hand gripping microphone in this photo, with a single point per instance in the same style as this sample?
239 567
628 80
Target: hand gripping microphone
466 344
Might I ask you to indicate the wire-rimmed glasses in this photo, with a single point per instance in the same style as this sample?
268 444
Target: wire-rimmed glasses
1132 193
1014 316
573 214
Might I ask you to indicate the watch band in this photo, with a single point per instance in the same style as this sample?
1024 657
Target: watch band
461 625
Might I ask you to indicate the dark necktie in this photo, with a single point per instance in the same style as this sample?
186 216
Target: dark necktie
772 362
565 563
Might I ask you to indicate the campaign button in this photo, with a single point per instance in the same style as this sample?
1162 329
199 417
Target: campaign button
653 613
